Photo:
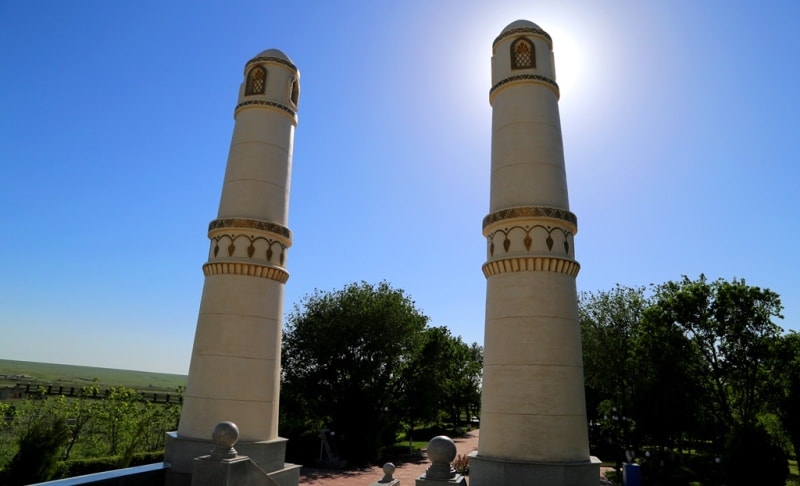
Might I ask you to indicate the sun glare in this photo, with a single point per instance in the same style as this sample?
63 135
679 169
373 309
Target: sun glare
569 60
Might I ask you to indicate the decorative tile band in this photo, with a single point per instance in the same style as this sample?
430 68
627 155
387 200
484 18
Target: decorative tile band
244 223
531 212
538 78
271 104
527 240
263 245
523 30
531 264
271 59
249 269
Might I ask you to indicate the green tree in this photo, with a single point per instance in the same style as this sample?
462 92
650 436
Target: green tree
444 376
668 404
79 413
788 406
730 325
344 357
610 324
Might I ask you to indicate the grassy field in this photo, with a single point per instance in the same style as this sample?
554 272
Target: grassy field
13 372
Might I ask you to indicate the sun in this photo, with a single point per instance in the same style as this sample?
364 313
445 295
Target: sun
569 60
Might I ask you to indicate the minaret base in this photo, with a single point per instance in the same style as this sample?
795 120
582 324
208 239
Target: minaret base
180 453
484 471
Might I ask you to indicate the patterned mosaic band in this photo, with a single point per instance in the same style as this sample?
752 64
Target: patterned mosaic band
531 212
538 78
271 104
243 223
521 31
531 264
250 269
271 59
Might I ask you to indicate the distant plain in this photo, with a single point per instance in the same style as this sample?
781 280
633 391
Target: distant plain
24 372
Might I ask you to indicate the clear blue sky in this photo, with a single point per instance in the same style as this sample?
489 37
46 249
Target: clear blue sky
680 122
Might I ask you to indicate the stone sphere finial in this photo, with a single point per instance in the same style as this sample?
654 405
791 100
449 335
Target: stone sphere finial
388 471
224 437
441 452
441 449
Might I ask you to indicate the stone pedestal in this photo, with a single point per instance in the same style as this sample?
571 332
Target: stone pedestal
455 480
228 472
387 480
441 452
181 452
484 470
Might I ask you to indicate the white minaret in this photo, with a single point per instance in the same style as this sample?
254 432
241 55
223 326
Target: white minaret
533 412
235 369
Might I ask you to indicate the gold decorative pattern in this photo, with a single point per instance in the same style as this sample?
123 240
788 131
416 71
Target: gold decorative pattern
521 31
244 223
527 240
271 59
531 264
235 268
538 78
251 248
271 104
256 81
531 212
523 54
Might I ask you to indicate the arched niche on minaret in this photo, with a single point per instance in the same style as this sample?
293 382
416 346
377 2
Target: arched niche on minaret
271 80
522 48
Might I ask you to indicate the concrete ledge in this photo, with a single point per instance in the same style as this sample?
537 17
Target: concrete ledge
487 471
180 452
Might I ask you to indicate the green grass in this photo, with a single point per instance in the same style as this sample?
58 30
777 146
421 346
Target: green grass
794 474
69 375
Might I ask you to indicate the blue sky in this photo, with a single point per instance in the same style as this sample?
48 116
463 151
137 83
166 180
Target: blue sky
680 122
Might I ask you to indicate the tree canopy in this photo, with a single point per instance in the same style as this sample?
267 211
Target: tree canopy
690 360
362 361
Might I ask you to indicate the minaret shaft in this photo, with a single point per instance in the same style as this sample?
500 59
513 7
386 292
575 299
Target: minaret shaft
533 413
234 373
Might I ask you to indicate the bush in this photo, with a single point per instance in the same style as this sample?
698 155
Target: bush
38 454
80 467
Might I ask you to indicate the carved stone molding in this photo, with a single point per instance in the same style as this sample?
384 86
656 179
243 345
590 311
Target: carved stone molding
531 212
522 31
271 59
535 78
249 269
269 104
255 248
250 224
527 239
531 264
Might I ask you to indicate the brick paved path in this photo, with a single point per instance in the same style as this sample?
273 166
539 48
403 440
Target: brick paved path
408 469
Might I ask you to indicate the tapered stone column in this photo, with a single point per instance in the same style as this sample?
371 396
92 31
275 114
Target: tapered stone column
234 373
533 416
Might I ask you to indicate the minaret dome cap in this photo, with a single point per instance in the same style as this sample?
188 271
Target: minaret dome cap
520 24
274 53
522 27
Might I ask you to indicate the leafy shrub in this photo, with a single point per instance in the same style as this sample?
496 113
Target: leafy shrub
38 454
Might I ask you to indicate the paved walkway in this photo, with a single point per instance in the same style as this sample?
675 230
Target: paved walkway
408 469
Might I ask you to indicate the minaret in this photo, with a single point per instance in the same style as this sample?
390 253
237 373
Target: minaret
533 412
234 373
